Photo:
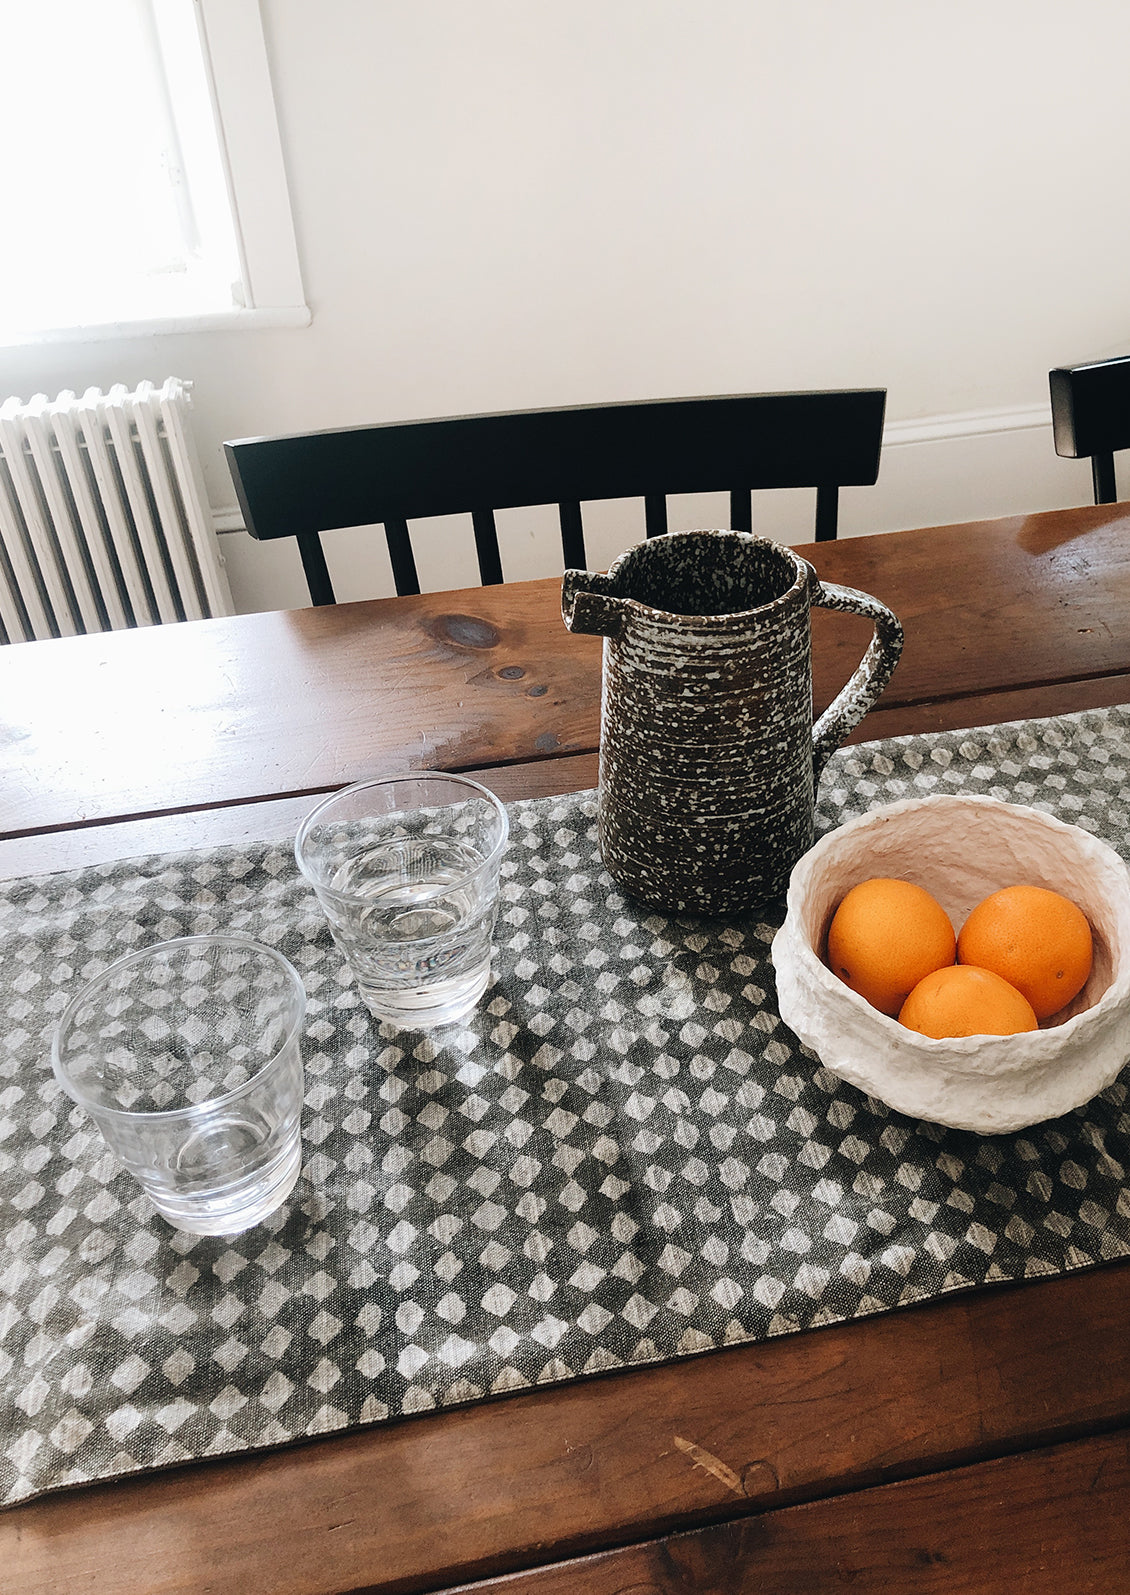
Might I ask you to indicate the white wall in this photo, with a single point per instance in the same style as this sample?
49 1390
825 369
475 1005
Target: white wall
516 203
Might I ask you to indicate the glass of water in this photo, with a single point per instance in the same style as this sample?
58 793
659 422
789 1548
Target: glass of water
406 870
185 1054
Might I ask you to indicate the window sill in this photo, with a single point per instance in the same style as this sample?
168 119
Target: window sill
210 321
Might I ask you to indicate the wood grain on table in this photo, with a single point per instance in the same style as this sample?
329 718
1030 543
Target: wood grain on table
975 1443
217 712
1045 1522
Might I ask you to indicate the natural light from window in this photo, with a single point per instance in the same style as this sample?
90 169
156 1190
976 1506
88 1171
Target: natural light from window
116 200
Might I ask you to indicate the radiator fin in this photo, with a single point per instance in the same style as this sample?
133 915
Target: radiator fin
104 517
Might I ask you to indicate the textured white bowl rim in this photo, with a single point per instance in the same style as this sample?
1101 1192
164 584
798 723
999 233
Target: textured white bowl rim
988 1084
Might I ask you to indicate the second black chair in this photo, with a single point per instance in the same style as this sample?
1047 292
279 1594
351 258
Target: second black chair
305 484
1091 417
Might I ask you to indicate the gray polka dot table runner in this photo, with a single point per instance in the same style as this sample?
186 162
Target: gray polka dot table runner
624 1157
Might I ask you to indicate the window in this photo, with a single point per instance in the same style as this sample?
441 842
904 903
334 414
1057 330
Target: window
147 191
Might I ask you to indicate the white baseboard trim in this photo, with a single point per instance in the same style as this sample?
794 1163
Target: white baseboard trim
896 434
966 424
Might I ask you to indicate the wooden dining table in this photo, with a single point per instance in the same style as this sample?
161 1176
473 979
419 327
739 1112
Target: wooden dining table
978 1442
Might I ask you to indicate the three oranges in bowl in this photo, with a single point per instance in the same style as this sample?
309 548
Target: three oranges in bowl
1023 954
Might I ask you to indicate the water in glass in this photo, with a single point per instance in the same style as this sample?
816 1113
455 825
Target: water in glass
407 872
416 927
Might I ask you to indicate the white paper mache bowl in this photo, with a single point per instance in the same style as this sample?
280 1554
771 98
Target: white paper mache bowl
961 849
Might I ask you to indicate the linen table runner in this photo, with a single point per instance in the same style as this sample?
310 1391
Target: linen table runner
623 1157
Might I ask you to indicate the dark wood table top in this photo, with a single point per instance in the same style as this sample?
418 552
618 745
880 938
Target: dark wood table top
977 1442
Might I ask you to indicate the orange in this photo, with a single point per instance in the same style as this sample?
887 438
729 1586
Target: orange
884 937
965 1001
1037 940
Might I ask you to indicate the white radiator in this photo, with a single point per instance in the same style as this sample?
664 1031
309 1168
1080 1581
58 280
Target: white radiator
104 519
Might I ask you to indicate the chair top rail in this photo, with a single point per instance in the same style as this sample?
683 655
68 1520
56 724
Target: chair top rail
1091 407
366 475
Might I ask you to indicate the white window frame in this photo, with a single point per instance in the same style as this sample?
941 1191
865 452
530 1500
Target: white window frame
235 59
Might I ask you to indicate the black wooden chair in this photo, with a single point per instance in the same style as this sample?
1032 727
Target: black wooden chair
1091 417
308 483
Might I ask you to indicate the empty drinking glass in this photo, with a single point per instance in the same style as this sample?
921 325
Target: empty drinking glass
185 1054
406 870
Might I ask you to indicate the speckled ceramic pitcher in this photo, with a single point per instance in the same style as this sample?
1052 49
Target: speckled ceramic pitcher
708 755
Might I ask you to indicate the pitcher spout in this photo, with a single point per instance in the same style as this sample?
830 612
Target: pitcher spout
589 604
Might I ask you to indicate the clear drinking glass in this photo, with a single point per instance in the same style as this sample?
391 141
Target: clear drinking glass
406 871
185 1054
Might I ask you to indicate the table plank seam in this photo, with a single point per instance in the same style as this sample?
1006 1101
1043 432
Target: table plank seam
472 1578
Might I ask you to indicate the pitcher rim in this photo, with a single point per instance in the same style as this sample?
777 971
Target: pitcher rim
803 574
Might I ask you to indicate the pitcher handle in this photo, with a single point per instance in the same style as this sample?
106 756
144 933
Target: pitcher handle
847 709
